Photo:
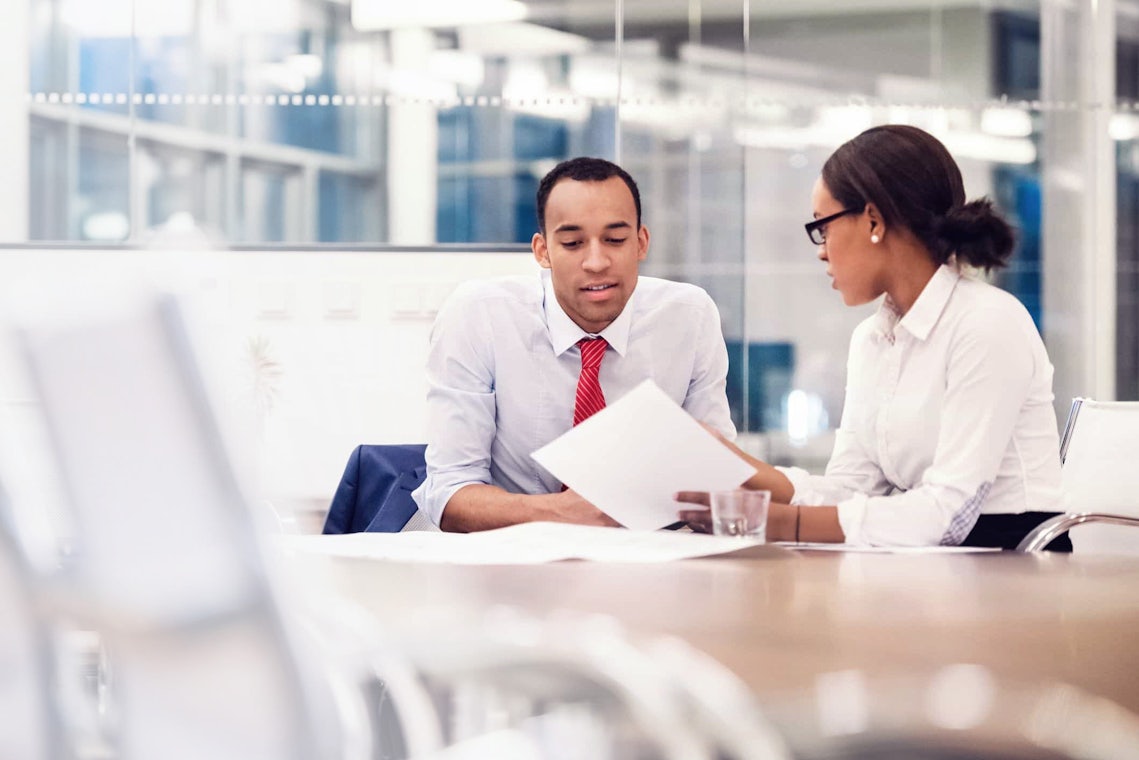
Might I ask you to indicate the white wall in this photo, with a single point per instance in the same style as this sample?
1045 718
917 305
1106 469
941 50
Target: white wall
310 353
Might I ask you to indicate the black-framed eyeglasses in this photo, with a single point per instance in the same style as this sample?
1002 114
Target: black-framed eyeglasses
817 230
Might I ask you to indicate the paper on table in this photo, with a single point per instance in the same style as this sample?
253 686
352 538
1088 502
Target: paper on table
862 549
630 458
528 543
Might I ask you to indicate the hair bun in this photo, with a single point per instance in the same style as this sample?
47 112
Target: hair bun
977 234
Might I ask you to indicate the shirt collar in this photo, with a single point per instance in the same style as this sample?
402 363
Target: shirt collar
564 332
923 315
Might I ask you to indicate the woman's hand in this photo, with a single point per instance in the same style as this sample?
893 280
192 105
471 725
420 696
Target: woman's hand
699 520
766 477
784 521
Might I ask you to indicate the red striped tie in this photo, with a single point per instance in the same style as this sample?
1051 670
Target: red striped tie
589 400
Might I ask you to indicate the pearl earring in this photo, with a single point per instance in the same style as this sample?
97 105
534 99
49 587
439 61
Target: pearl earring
874 238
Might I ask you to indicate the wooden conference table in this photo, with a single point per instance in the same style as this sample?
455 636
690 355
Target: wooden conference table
781 619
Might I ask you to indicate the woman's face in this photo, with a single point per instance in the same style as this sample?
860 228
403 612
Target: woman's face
854 263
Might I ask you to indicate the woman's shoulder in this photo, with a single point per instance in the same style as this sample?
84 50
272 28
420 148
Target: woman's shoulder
978 302
986 318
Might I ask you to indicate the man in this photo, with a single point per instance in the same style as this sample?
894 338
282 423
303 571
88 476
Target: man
506 355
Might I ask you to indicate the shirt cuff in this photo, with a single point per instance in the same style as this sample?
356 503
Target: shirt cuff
799 479
433 502
851 516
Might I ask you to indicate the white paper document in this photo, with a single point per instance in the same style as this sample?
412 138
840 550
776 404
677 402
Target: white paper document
528 543
630 458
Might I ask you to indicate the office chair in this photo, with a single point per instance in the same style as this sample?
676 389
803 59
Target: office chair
60 674
34 728
577 687
954 711
717 702
1101 479
374 494
168 565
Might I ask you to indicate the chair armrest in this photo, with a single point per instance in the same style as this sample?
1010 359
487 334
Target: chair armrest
1042 534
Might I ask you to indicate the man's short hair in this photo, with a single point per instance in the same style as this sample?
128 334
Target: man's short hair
583 169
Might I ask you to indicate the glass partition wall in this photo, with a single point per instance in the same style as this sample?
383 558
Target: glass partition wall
367 122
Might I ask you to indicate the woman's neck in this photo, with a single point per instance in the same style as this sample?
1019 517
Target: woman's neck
914 268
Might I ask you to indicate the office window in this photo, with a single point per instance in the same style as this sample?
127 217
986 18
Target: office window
1126 127
101 206
311 122
350 208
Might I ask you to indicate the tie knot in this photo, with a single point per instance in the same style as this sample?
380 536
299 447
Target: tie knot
592 351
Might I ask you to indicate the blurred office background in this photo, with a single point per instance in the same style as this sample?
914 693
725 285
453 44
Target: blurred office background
326 171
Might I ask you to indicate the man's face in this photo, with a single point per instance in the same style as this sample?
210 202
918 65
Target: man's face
592 248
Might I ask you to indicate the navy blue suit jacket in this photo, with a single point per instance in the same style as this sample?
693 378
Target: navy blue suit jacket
375 491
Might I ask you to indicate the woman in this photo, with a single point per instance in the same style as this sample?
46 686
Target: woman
948 435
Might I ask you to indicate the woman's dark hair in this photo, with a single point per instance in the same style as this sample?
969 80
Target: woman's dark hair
913 181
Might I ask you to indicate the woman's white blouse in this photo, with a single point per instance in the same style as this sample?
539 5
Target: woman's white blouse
948 414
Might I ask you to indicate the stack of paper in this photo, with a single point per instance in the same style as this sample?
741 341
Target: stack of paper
529 543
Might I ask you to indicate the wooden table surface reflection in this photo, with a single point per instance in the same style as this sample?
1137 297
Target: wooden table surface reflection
781 619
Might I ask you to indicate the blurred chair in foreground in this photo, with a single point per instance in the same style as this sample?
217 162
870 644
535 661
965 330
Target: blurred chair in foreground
577 687
956 711
30 715
60 673
374 494
168 565
1101 479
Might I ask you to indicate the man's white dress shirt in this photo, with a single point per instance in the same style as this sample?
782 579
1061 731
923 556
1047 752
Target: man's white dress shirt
948 414
503 366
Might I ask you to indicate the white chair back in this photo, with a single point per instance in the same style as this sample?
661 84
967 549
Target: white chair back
168 564
25 660
1100 452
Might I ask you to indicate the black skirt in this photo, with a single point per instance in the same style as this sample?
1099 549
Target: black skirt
1006 531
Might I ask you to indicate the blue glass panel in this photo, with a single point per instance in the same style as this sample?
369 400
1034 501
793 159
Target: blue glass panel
1019 196
536 137
770 369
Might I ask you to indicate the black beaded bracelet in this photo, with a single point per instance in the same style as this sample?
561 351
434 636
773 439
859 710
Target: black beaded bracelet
797 511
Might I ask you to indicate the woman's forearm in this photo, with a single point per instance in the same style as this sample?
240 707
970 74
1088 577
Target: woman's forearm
767 478
806 524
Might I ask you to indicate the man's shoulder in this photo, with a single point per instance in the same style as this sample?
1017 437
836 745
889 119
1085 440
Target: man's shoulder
510 289
656 291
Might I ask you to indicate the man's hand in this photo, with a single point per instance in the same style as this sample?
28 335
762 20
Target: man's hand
568 506
485 507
